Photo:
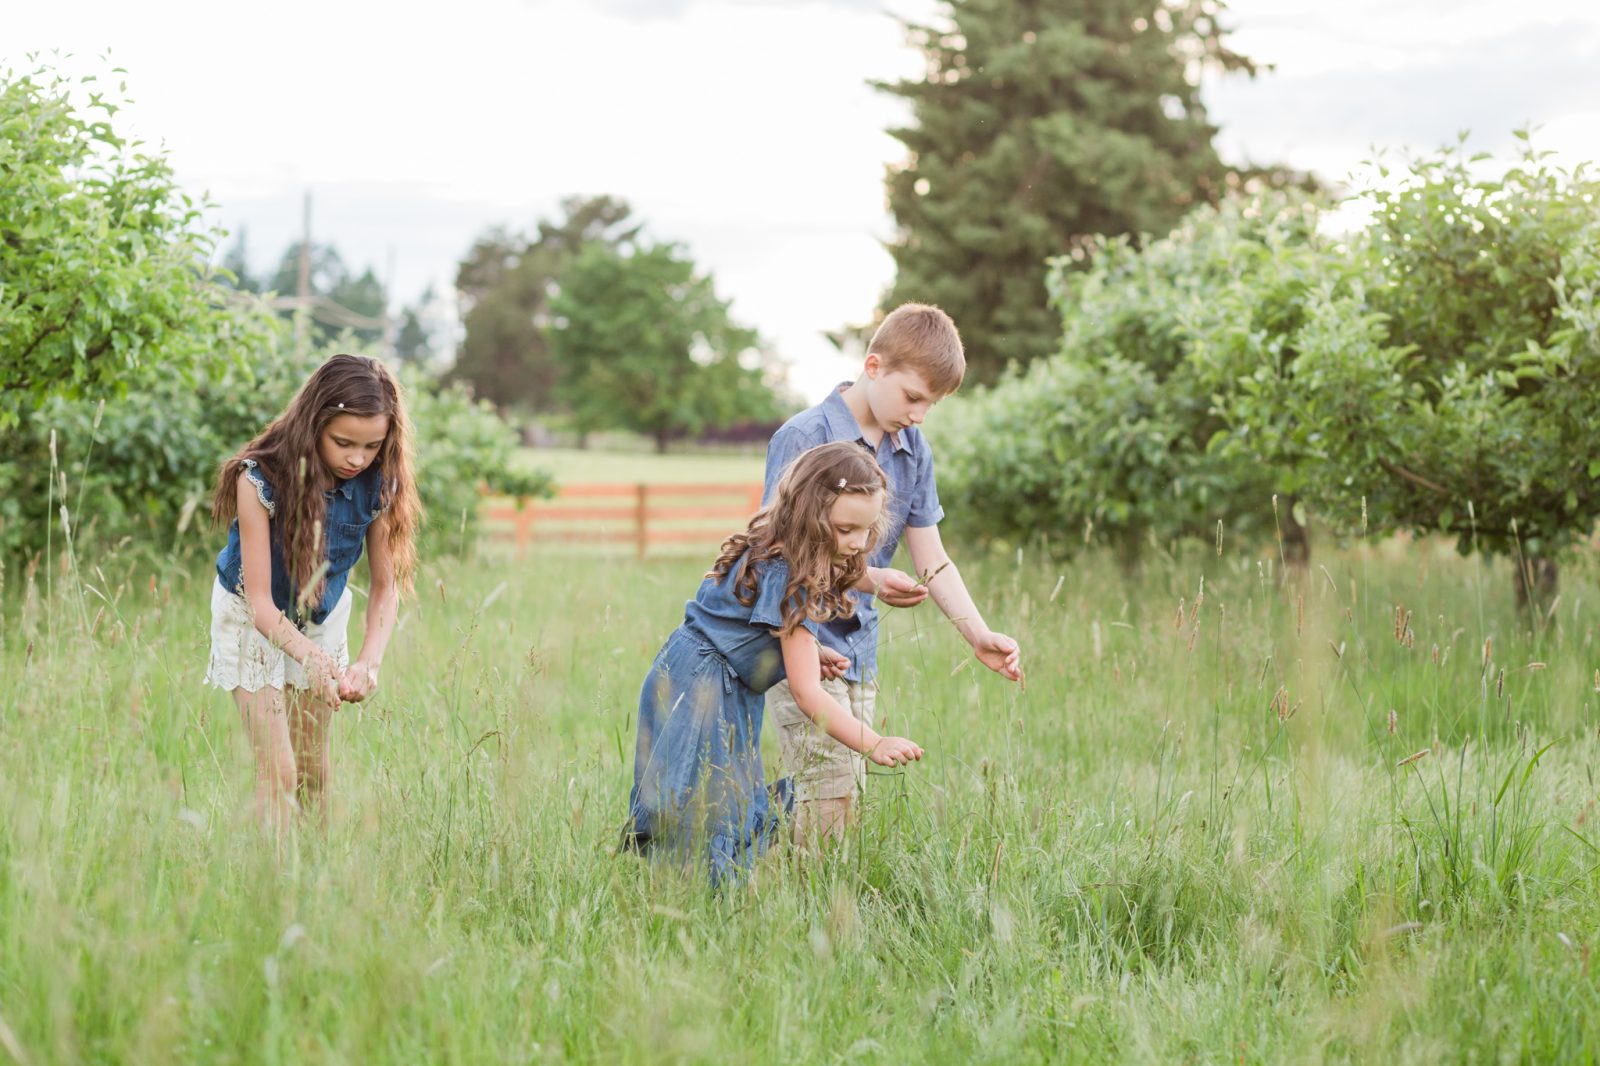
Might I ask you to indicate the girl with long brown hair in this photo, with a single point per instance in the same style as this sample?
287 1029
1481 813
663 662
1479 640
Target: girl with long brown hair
698 788
329 477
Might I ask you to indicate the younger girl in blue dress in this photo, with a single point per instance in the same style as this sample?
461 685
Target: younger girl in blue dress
329 477
699 793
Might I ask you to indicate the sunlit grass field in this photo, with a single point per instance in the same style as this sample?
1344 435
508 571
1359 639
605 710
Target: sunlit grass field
1193 837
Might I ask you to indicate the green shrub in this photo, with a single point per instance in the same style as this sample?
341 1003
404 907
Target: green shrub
104 283
1438 371
142 469
1119 436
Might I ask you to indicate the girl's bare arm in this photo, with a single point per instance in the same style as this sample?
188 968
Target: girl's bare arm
383 602
805 682
255 551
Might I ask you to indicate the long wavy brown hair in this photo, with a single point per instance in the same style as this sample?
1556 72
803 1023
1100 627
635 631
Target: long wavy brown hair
795 527
288 453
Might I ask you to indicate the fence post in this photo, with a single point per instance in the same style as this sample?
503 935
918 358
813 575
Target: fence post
641 516
524 525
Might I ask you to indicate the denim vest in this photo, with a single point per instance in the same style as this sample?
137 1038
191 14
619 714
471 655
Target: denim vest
352 505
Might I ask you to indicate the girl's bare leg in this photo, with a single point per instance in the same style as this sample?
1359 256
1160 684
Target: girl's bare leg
267 726
309 721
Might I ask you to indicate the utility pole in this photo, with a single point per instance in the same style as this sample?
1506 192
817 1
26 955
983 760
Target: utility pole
302 295
307 306
388 319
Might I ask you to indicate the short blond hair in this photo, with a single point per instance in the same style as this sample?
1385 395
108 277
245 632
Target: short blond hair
923 338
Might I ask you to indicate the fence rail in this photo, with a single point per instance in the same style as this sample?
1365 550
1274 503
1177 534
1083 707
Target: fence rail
642 515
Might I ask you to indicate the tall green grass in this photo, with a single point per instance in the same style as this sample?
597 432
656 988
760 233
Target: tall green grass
1192 838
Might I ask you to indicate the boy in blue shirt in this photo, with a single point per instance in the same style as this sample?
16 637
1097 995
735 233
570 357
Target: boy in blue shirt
914 361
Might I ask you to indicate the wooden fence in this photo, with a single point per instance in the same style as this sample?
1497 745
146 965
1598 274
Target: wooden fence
644 516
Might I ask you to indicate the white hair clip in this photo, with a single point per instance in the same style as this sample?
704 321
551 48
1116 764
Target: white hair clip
843 482
341 407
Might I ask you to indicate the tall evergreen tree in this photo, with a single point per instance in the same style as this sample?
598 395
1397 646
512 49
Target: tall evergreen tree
236 261
1038 124
413 342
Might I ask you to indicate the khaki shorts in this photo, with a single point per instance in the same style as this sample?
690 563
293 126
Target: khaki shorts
822 768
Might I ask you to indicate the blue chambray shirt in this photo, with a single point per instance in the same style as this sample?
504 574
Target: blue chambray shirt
352 506
913 501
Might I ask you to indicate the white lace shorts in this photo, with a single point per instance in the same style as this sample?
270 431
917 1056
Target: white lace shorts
242 658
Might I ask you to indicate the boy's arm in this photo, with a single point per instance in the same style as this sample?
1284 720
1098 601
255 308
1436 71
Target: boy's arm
995 650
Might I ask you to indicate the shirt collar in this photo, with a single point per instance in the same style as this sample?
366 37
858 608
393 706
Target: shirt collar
842 424
347 487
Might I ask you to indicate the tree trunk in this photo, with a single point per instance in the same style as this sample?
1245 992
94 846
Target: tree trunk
1129 550
661 441
1537 579
1296 538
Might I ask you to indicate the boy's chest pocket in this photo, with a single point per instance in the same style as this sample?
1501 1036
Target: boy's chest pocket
344 546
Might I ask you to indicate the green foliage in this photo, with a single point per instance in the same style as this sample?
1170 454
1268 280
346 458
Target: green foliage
1073 452
103 276
143 467
1479 376
1440 371
505 283
1121 435
644 343
130 371
412 342
1035 127
462 448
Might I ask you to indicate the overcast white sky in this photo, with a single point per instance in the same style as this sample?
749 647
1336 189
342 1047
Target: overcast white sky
744 128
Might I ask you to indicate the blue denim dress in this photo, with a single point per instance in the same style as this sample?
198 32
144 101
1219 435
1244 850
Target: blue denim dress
698 787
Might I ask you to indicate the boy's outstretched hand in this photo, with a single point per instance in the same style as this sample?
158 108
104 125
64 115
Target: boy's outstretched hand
899 589
999 653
